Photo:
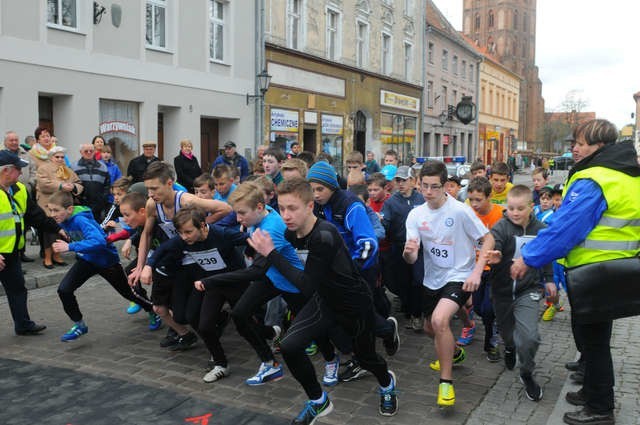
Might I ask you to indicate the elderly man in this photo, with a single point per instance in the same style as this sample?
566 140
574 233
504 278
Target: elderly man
233 159
95 180
17 209
139 164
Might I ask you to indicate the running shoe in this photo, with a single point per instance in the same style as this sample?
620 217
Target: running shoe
312 411
389 398
510 357
352 371
493 355
330 377
531 387
391 343
267 372
458 358
184 342
133 308
415 324
155 322
549 313
312 349
218 372
275 342
446 395
74 333
466 337
170 340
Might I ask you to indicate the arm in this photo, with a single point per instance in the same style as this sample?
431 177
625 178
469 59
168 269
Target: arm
145 240
166 248
93 238
36 217
119 236
412 243
254 272
357 221
473 281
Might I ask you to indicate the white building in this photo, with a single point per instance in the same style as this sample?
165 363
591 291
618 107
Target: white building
160 70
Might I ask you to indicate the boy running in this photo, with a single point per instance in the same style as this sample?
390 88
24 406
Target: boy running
449 231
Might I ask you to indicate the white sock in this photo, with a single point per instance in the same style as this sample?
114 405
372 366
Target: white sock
321 399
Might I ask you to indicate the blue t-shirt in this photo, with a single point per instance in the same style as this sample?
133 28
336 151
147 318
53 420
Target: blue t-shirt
274 225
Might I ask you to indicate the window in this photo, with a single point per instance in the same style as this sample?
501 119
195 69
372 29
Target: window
429 94
430 52
477 22
515 19
362 44
463 69
445 60
444 98
386 53
156 23
471 73
216 28
333 34
63 13
454 65
408 60
454 97
525 22
294 24
491 19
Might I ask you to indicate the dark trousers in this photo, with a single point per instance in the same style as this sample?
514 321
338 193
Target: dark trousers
257 294
400 281
186 301
314 322
13 284
595 339
81 271
212 304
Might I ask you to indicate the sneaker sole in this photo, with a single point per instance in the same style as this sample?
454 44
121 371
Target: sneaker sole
325 412
217 378
527 394
330 384
396 336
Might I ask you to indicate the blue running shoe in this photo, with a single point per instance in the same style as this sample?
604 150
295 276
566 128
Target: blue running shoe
330 377
312 411
155 322
265 374
389 398
133 308
74 333
466 337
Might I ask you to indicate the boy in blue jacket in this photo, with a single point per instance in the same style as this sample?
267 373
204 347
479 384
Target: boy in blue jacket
94 256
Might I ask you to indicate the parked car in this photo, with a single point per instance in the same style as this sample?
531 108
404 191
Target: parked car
563 162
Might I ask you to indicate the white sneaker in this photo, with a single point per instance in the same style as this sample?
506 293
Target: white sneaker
218 372
330 377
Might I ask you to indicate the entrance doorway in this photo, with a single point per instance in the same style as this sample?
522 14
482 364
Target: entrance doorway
208 142
360 134
309 139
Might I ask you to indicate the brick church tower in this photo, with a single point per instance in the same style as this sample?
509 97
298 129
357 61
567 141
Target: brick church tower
507 28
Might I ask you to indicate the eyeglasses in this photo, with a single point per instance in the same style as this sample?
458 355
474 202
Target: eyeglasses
433 187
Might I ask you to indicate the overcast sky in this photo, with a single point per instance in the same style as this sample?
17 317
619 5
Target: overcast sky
583 46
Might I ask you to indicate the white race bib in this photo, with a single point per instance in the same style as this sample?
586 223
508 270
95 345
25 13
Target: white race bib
441 255
169 229
521 241
303 254
209 260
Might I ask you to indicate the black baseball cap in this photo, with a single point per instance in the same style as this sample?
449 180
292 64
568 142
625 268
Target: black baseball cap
10 158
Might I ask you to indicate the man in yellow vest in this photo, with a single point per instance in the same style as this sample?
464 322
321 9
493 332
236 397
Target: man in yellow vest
16 208
598 221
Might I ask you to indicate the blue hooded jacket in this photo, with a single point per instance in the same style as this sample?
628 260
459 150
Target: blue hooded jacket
88 239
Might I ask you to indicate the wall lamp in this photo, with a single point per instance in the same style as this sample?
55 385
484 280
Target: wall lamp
98 11
263 85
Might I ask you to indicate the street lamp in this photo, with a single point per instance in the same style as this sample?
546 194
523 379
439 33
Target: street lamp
263 85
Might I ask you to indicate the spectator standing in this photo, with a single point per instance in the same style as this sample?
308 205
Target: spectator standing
98 144
139 164
114 171
29 141
40 151
371 164
95 179
55 176
186 165
233 159
295 150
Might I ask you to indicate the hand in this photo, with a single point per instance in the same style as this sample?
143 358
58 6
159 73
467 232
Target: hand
1 263
64 235
551 290
493 257
472 283
67 187
199 285
518 269
145 275
111 223
261 241
60 246
411 246
134 277
126 249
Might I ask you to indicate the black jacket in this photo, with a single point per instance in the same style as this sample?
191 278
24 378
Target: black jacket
138 166
186 170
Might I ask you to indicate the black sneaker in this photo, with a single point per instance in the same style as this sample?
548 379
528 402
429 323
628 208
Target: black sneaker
510 357
352 371
531 388
311 411
576 398
389 399
170 340
573 366
493 354
392 343
184 342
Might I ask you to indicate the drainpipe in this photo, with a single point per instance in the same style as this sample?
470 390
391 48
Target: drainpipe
423 79
260 19
476 145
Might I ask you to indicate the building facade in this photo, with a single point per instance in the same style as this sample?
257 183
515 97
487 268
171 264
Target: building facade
452 69
346 75
133 71
507 29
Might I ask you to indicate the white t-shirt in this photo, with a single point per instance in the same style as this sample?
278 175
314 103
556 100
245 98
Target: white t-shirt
448 235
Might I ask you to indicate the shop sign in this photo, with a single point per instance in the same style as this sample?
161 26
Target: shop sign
399 101
492 135
284 120
117 127
331 124
445 139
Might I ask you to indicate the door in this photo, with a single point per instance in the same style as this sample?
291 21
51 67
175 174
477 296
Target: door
360 136
160 151
208 142
309 139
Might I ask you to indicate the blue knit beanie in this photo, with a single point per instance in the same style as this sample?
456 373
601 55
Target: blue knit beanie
323 173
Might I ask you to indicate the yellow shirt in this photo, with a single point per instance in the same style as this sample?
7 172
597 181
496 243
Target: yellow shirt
501 198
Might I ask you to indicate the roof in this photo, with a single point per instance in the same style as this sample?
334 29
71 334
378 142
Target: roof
437 21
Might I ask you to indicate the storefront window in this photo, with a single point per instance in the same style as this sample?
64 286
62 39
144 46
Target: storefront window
398 132
332 138
284 128
119 127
